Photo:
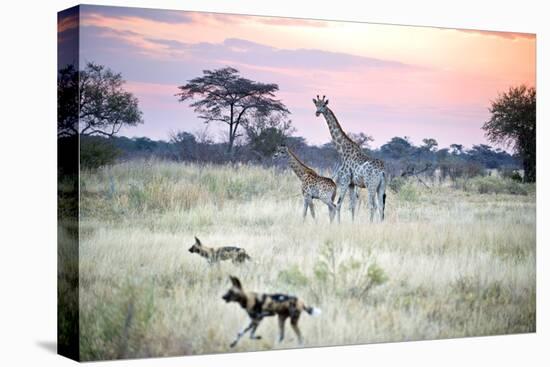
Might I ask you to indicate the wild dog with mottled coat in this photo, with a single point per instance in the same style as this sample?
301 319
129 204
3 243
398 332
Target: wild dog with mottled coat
213 255
260 305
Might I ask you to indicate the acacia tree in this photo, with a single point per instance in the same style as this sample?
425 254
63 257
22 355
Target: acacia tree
513 123
105 107
223 95
429 144
362 139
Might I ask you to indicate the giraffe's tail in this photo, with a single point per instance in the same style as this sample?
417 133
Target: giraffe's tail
382 192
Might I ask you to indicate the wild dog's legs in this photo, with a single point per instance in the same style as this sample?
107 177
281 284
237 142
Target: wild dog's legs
306 205
253 332
242 332
282 320
294 323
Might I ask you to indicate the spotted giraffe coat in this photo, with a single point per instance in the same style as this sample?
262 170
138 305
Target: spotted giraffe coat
314 186
358 169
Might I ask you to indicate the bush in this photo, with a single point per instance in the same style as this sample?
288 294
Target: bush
512 174
495 185
96 152
292 276
345 276
455 169
397 183
409 192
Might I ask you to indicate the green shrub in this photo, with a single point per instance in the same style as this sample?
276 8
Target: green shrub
118 327
397 183
512 174
137 197
409 192
495 185
344 275
293 276
95 152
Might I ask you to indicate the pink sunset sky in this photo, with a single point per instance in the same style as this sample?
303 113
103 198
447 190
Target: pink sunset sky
383 80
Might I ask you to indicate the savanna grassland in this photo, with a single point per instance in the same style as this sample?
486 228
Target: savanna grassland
453 260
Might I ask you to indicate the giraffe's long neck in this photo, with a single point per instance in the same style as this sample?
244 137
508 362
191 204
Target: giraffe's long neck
297 166
339 137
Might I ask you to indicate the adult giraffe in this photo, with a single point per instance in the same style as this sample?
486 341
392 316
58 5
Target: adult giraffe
360 170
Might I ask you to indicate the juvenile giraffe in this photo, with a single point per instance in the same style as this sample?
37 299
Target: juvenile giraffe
359 169
314 186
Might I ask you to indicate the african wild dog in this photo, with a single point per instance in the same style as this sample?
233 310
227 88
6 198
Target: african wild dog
213 255
260 305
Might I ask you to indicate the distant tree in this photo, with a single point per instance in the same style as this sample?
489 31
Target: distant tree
513 123
105 107
95 152
93 103
484 155
185 143
223 95
362 139
457 149
430 144
442 154
397 148
266 132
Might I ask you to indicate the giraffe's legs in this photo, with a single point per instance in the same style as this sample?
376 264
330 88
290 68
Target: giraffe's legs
306 205
331 207
311 209
381 197
352 200
372 196
343 187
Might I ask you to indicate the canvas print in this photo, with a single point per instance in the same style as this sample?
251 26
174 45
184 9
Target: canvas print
232 183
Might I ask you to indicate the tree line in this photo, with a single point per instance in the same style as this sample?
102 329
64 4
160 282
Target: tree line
257 122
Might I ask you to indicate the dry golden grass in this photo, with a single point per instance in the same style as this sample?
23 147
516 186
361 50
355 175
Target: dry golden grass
445 263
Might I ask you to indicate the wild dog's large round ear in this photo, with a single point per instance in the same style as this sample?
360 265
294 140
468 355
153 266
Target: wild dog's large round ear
197 241
313 99
326 103
235 281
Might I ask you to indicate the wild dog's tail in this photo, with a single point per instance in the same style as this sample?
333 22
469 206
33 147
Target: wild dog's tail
313 311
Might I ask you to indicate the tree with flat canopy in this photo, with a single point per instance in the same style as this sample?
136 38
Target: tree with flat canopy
223 95
513 124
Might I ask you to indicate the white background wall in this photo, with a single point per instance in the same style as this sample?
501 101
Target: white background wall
28 181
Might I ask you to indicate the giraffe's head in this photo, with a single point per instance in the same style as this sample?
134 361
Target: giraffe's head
320 105
281 151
